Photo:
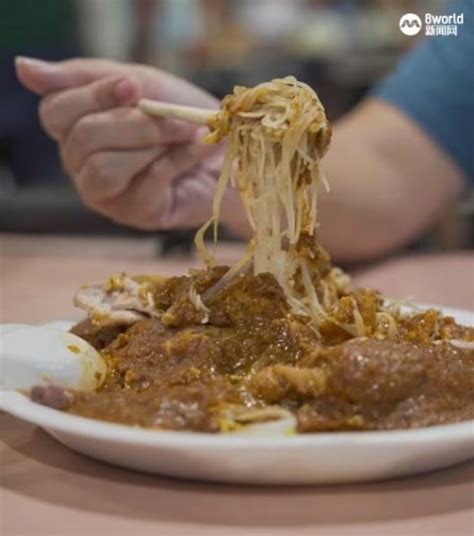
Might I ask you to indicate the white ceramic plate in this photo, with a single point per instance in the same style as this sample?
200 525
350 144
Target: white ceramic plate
264 457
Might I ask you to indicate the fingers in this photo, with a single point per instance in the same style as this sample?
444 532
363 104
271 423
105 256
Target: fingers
145 204
159 200
148 201
107 174
193 194
119 129
44 77
137 187
60 111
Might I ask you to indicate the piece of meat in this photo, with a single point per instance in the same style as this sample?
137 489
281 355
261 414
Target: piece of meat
181 297
98 336
247 298
431 325
377 384
120 300
282 382
374 372
150 354
52 396
195 406
329 414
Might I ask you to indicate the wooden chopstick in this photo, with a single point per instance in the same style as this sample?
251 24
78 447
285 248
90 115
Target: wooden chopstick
192 114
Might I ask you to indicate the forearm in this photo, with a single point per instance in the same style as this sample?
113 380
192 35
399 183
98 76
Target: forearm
388 181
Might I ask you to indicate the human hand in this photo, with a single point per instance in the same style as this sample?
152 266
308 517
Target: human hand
137 170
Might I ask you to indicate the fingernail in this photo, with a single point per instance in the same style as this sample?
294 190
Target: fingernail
34 63
124 90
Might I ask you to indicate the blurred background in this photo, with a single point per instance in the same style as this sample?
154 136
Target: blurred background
340 47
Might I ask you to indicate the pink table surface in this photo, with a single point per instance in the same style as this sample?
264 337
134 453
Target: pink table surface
48 489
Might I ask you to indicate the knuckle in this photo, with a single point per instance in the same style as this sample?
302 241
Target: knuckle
91 181
97 170
81 132
103 96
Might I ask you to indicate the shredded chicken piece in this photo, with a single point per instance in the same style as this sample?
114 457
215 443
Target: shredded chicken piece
118 300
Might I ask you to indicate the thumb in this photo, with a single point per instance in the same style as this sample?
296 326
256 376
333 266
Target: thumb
44 77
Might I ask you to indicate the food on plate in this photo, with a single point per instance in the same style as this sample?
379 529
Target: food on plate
282 334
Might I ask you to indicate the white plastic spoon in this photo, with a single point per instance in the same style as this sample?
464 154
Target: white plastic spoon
40 355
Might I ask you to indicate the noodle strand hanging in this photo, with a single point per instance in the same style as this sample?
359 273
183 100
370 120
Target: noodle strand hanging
277 131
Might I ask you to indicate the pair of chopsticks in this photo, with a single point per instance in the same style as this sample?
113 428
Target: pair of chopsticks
200 116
